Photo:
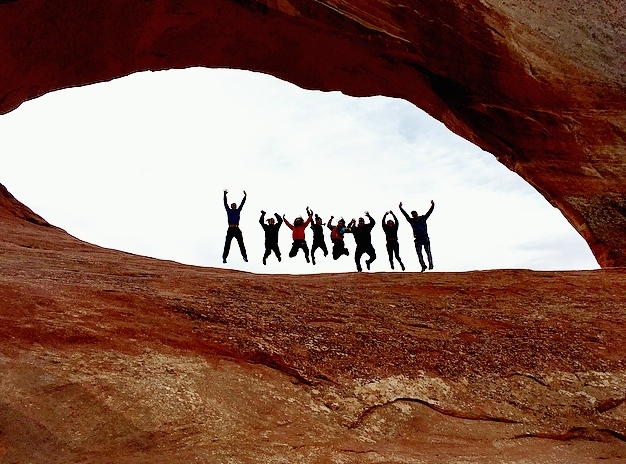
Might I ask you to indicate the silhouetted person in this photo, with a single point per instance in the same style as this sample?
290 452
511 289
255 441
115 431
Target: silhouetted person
271 235
391 233
298 229
318 237
363 238
420 233
336 236
233 214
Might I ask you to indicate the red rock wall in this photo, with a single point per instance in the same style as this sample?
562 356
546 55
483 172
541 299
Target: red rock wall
538 83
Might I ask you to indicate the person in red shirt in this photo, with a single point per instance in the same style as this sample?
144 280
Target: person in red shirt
298 229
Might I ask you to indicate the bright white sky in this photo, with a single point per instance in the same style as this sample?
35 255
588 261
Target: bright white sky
139 164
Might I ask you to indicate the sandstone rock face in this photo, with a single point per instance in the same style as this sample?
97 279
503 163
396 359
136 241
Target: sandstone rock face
541 84
111 357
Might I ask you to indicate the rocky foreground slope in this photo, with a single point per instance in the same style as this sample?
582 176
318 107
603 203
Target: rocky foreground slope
111 357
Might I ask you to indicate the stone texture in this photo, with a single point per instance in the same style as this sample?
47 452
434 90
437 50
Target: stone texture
541 84
111 357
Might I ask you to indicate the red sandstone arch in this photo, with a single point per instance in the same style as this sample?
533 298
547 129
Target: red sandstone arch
541 87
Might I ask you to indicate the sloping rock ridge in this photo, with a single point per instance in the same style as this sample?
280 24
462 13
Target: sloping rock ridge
541 84
111 357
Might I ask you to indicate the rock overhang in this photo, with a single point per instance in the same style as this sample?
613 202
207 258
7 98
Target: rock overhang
539 86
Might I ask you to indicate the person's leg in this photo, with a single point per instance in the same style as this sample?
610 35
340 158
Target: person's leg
428 253
390 249
305 248
276 251
344 250
396 251
418 249
372 254
294 249
323 247
357 258
337 250
242 247
314 247
229 238
268 250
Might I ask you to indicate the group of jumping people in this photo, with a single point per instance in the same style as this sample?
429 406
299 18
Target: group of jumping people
361 231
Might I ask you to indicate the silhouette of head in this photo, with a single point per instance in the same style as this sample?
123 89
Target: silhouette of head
414 214
341 222
318 220
298 222
390 223
361 221
233 205
271 221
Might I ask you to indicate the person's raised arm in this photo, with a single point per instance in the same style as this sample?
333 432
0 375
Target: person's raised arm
287 223
383 220
372 221
262 220
404 212
432 207
245 195
279 220
225 200
309 218
329 224
395 219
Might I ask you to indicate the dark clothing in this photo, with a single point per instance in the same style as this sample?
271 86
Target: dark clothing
363 239
318 240
393 248
234 232
233 229
364 249
297 245
391 233
271 230
363 234
271 236
420 233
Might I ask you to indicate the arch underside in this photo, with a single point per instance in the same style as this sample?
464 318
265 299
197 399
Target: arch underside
540 88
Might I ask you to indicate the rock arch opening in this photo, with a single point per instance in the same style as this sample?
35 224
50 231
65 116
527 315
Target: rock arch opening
148 179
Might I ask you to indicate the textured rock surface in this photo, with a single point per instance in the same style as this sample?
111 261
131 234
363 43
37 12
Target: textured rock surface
541 84
111 357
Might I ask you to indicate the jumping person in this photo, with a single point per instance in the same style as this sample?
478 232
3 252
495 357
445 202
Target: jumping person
391 233
318 237
233 214
298 229
363 239
336 236
271 235
420 233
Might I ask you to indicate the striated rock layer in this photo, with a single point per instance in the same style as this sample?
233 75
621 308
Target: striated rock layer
541 84
111 357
